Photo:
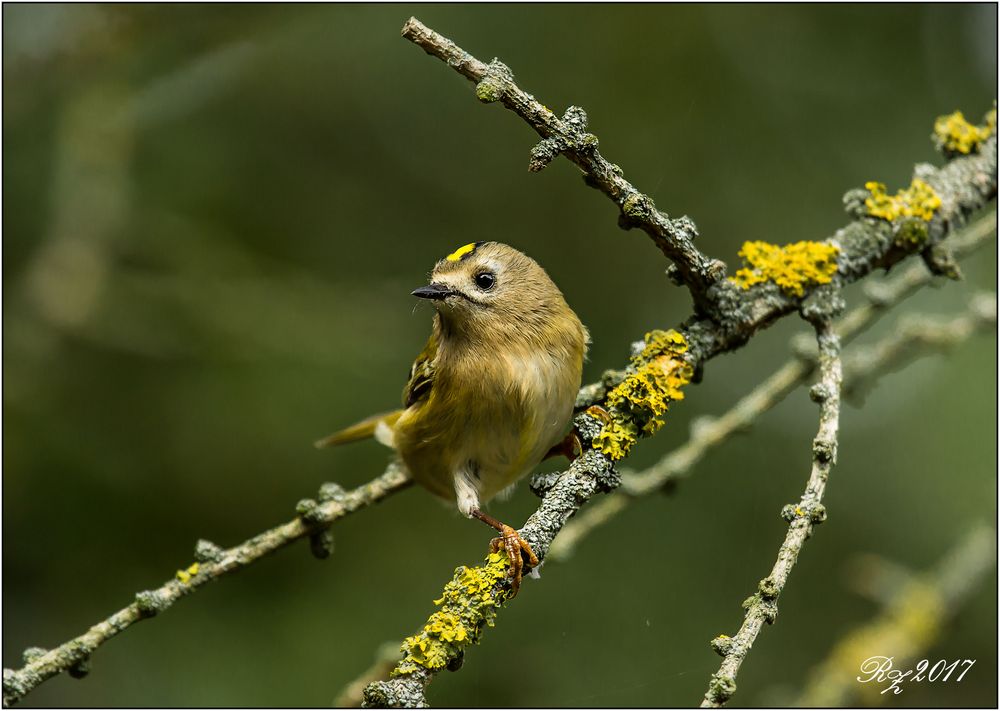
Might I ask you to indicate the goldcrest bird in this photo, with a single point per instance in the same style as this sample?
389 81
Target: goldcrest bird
492 393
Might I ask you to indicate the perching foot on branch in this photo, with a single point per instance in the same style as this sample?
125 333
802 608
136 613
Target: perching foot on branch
516 547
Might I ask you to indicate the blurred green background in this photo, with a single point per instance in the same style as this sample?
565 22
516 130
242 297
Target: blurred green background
212 220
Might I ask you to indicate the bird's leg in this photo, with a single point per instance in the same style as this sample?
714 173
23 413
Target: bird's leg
513 544
570 445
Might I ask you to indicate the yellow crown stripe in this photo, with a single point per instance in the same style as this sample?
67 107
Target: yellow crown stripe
461 252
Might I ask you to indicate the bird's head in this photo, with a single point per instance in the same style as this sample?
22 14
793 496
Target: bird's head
486 289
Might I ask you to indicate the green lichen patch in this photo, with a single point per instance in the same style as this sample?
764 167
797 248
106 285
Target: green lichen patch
919 200
722 644
953 134
911 234
469 603
721 688
489 90
491 87
150 602
792 267
639 401
207 552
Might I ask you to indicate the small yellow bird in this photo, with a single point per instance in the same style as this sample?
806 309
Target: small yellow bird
492 393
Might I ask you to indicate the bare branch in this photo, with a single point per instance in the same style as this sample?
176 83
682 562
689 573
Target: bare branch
568 136
211 563
762 606
916 334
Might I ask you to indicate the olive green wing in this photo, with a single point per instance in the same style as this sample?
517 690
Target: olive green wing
418 387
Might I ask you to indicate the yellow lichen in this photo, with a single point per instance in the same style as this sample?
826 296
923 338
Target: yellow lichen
659 342
791 267
616 439
919 200
184 576
469 602
955 134
638 402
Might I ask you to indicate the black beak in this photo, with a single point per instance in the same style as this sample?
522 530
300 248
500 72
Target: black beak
435 292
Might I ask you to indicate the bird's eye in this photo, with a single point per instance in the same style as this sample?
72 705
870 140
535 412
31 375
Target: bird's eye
485 280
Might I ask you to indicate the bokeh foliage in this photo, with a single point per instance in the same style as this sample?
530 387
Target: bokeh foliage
213 216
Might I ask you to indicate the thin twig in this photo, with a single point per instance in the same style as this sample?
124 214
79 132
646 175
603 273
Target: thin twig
212 563
916 334
568 136
762 606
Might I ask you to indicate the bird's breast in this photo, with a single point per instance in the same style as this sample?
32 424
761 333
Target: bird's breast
500 416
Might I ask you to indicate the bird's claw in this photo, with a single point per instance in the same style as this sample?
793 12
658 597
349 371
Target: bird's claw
599 413
514 545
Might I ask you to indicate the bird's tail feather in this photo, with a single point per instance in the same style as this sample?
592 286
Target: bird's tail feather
362 430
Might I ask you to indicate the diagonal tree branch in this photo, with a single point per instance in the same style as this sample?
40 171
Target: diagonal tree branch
919 336
711 433
762 606
568 136
726 316
925 336
211 564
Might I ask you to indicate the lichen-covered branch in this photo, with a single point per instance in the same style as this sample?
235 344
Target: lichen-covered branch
762 606
211 563
909 624
568 136
804 277
775 281
885 228
709 433
471 599
474 595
